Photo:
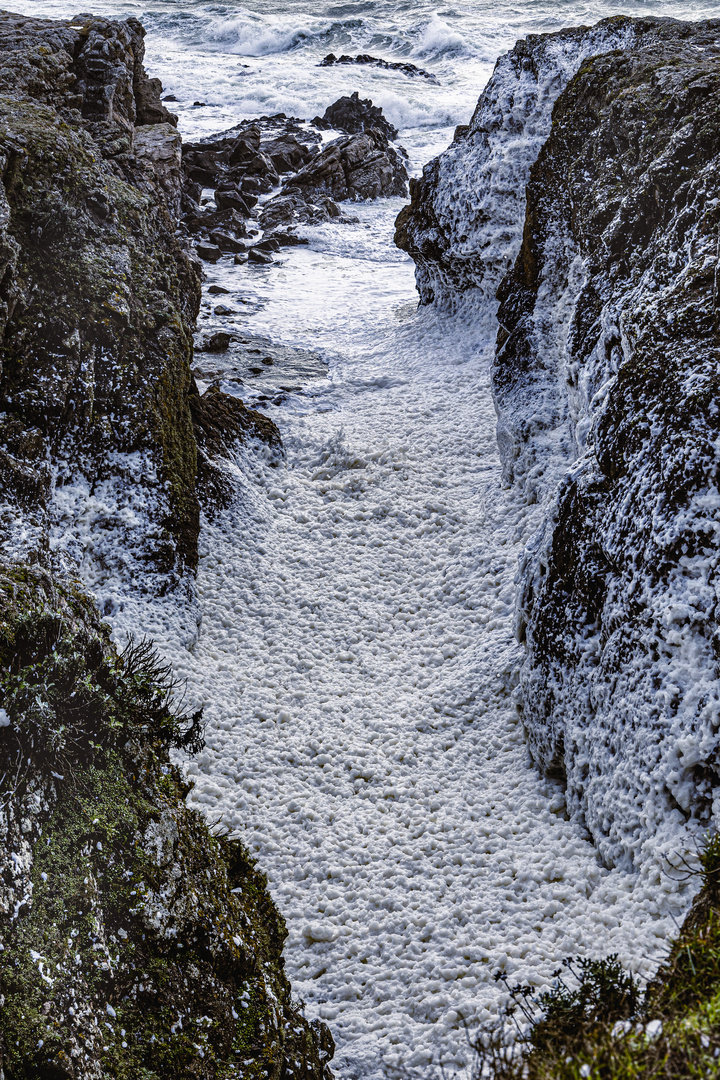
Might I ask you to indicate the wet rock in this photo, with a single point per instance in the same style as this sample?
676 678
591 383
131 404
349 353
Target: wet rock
99 848
160 146
217 342
208 252
373 61
598 233
356 167
231 199
293 209
259 257
215 289
226 242
353 115
287 153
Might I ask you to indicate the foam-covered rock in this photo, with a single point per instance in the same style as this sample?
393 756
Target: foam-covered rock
585 188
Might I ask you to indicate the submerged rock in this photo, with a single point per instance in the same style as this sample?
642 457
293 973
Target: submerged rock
374 61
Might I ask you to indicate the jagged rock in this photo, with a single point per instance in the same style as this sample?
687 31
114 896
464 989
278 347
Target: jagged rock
123 921
605 380
292 208
353 115
287 153
463 227
618 601
355 167
231 199
226 242
373 61
259 257
161 146
98 304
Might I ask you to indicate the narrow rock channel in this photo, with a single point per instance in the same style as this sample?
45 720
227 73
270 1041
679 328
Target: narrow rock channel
357 663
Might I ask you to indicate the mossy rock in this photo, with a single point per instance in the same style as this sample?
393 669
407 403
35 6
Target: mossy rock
134 943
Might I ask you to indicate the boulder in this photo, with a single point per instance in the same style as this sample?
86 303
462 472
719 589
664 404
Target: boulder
353 115
226 242
259 257
291 208
231 199
361 166
208 252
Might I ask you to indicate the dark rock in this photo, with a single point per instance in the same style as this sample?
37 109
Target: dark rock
293 209
353 115
258 256
605 383
241 258
260 170
222 420
270 243
201 932
231 199
217 342
355 167
374 61
226 242
208 252
288 239
287 153
215 289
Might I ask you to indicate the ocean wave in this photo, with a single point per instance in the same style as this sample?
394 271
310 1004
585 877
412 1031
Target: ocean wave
438 40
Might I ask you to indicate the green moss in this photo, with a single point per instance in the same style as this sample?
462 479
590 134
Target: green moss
137 941
598 1026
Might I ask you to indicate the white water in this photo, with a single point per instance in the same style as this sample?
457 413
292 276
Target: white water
357 665
356 657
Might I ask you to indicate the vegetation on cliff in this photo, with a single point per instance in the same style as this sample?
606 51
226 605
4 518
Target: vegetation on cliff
600 1025
133 943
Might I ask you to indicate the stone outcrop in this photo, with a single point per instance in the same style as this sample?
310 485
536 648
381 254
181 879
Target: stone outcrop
98 458
256 156
605 380
134 943
354 115
363 166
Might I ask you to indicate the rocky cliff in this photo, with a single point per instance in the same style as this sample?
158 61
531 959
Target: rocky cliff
98 298
605 260
133 943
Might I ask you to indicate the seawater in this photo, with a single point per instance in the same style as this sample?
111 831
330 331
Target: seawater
356 658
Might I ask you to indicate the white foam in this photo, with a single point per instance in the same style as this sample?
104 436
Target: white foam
357 664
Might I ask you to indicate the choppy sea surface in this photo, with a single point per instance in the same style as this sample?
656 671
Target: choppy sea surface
356 659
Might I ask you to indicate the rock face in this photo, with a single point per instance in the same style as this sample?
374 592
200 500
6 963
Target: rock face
98 456
605 381
134 943
464 225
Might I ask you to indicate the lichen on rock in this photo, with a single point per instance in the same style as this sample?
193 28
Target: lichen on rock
134 943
